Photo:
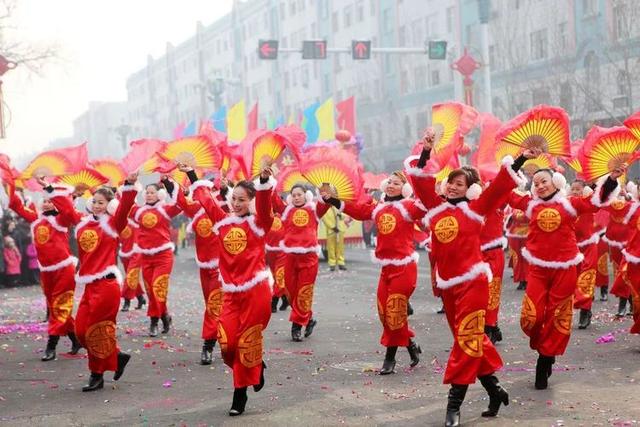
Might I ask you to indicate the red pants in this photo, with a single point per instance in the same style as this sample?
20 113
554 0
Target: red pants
495 259
96 324
586 282
300 271
395 287
633 271
243 318
212 292
131 287
615 254
156 270
276 261
473 355
58 287
437 292
602 276
547 309
621 284
518 263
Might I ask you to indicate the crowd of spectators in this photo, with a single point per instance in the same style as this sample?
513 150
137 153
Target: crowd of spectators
18 264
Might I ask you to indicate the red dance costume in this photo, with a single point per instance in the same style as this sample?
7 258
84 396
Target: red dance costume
131 288
57 265
97 245
616 237
631 254
553 256
600 227
396 256
461 273
492 245
156 249
245 281
587 240
300 244
276 257
517 233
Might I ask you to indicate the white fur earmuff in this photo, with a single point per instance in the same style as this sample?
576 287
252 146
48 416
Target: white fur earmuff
162 194
89 205
587 191
112 206
559 181
632 190
474 191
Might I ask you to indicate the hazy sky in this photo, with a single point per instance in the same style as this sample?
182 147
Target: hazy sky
102 42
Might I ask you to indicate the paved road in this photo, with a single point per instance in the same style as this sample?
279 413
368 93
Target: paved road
327 380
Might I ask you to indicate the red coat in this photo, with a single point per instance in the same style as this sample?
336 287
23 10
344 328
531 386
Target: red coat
518 225
241 239
492 234
455 228
300 225
97 237
396 227
631 251
128 246
617 232
155 225
275 235
50 237
585 230
207 246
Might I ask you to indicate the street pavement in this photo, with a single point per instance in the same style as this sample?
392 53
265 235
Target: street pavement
329 379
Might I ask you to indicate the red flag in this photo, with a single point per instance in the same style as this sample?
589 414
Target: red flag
139 152
347 115
253 118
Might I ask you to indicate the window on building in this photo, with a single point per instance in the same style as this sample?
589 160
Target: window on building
566 97
387 21
435 77
334 22
620 21
450 19
402 36
623 83
347 16
360 11
592 66
493 58
420 78
283 12
563 36
404 82
416 32
589 7
422 120
539 44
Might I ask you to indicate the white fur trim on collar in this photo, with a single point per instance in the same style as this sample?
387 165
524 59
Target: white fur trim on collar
289 207
68 191
614 243
557 265
123 188
59 265
397 205
500 242
557 198
632 211
250 219
88 278
152 251
473 273
507 162
104 225
383 262
412 170
270 184
257 279
52 220
595 238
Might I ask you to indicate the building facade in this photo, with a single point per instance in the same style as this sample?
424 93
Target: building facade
104 127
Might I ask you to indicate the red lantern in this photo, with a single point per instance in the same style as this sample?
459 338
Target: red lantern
343 135
464 150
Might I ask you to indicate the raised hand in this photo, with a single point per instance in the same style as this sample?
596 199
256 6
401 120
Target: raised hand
619 171
266 172
532 153
428 137
184 168
41 181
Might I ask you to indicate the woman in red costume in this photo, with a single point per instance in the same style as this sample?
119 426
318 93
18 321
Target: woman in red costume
631 254
97 236
517 231
156 249
553 256
300 218
395 217
244 275
276 259
587 239
456 224
207 259
57 268
602 272
132 287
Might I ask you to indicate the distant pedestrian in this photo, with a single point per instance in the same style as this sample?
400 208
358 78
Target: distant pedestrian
12 260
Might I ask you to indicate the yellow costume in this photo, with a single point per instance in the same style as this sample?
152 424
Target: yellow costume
335 223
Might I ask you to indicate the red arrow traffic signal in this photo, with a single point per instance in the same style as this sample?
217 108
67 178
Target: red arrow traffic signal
361 49
268 49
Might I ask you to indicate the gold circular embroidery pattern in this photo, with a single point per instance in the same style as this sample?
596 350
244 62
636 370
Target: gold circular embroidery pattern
300 218
603 267
305 298
214 303
617 204
222 338
250 346
586 282
495 287
396 311
562 316
101 339
126 233
548 220
235 241
88 240
386 223
62 306
149 220
42 234
133 278
277 224
161 287
280 277
204 227
528 314
471 333
446 229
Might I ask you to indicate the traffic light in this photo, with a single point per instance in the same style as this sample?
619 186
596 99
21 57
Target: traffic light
268 49
361 49
314 49
437 49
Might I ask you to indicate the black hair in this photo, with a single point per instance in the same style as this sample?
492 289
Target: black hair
248 187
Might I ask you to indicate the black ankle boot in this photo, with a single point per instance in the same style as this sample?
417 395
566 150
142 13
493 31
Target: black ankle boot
50 351
389 363
497 334
166 323
604 293
141 302
239 401
123 359
126 305
274 304
409 309
585 319
630 312
497 395
284 304
522 286
96 382
206 357
622 307
455 399
296 332
488 331
75 344
258 387
544 367
308 330
153 328
414 352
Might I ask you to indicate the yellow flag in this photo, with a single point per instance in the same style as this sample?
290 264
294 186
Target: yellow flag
326 121
237 122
